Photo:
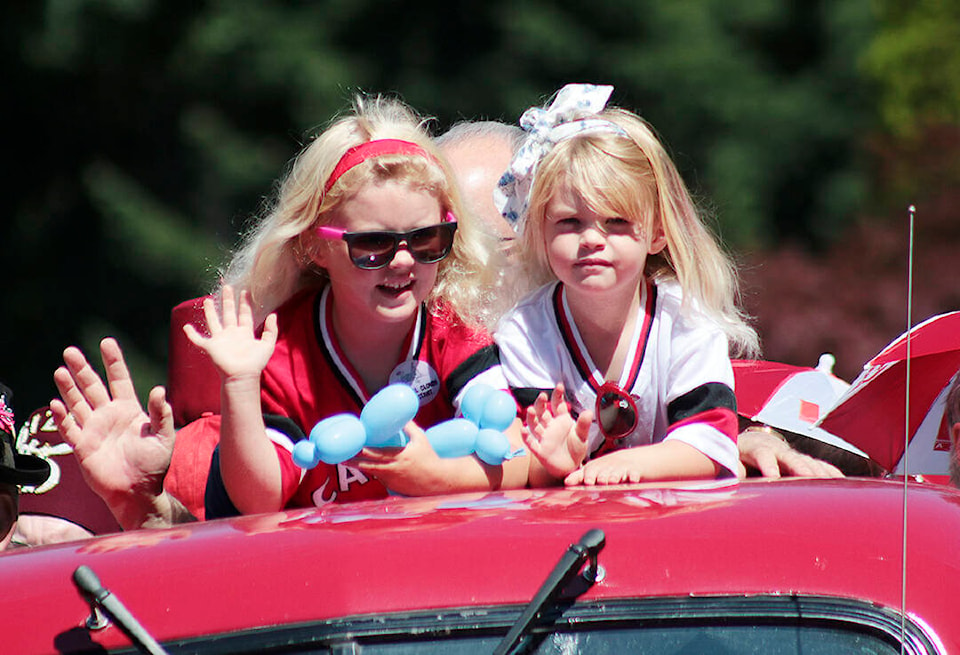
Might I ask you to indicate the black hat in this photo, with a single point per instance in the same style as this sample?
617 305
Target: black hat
16 468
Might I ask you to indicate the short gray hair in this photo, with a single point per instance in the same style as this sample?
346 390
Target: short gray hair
467 130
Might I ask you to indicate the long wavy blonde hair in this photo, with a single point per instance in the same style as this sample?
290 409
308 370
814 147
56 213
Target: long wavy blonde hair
273 261
633 177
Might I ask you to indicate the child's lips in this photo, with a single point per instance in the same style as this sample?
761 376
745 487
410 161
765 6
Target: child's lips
586 263
395 288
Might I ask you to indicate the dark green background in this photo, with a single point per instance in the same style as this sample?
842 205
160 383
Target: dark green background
142 134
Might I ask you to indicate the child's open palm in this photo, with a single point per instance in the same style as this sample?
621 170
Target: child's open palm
554 437
233 345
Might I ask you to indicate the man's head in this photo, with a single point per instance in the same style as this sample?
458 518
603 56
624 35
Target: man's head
15 469
479 152
952 410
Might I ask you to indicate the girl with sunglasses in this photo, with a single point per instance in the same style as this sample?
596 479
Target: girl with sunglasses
622 356
365 272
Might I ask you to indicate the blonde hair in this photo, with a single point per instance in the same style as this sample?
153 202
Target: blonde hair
273 261
633 177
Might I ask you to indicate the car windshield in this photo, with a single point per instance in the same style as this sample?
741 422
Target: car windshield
675 640
672 626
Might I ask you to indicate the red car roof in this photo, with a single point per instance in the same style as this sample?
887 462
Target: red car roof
839 538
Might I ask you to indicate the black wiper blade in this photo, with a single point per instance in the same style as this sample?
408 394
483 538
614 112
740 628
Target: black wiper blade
99 596
569 566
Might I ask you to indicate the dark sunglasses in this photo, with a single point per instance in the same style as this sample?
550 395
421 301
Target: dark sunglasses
373 250
616 412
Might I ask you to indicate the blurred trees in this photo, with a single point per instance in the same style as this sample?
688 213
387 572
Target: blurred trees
852 299
145 134
915 64
915 59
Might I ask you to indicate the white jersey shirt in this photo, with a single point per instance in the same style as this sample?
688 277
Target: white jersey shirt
677 370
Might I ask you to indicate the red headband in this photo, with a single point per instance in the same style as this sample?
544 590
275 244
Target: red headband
361 153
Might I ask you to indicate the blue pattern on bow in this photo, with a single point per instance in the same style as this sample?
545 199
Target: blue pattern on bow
568 115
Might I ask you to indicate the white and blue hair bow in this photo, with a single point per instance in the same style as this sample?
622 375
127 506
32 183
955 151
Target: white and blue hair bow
567 116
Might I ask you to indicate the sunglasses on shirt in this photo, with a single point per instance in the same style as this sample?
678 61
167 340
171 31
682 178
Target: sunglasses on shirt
616 412
376 249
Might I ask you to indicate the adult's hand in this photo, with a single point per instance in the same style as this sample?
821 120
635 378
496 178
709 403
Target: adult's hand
123 451
774 458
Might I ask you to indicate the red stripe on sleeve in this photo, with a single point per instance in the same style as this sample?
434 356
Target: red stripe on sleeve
721 418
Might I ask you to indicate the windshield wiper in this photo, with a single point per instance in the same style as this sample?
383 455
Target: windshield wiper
569 566
99 596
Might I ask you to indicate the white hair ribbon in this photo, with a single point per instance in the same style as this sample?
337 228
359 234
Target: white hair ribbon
567 116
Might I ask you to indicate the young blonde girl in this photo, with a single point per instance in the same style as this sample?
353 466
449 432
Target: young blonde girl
623 353
357 284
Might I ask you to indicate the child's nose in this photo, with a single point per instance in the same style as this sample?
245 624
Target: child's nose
402 257
593 236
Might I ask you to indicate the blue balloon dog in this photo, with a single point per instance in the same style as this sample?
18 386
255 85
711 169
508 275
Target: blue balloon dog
487 412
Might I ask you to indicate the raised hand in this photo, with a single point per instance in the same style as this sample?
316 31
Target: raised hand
248 463
557 441
233 345
123 451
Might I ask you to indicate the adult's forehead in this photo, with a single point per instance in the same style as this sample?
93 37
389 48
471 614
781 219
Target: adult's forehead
478 162
477 149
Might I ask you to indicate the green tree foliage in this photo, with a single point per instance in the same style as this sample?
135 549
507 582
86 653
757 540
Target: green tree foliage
146 133
752 97
916 62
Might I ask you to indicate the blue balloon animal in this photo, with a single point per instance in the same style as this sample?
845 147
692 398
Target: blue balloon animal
487 412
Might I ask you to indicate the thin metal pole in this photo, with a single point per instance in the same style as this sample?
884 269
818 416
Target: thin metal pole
906 437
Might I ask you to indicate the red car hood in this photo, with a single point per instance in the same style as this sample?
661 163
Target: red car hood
840 538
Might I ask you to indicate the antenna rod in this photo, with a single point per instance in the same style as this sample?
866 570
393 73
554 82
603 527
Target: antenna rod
906 431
